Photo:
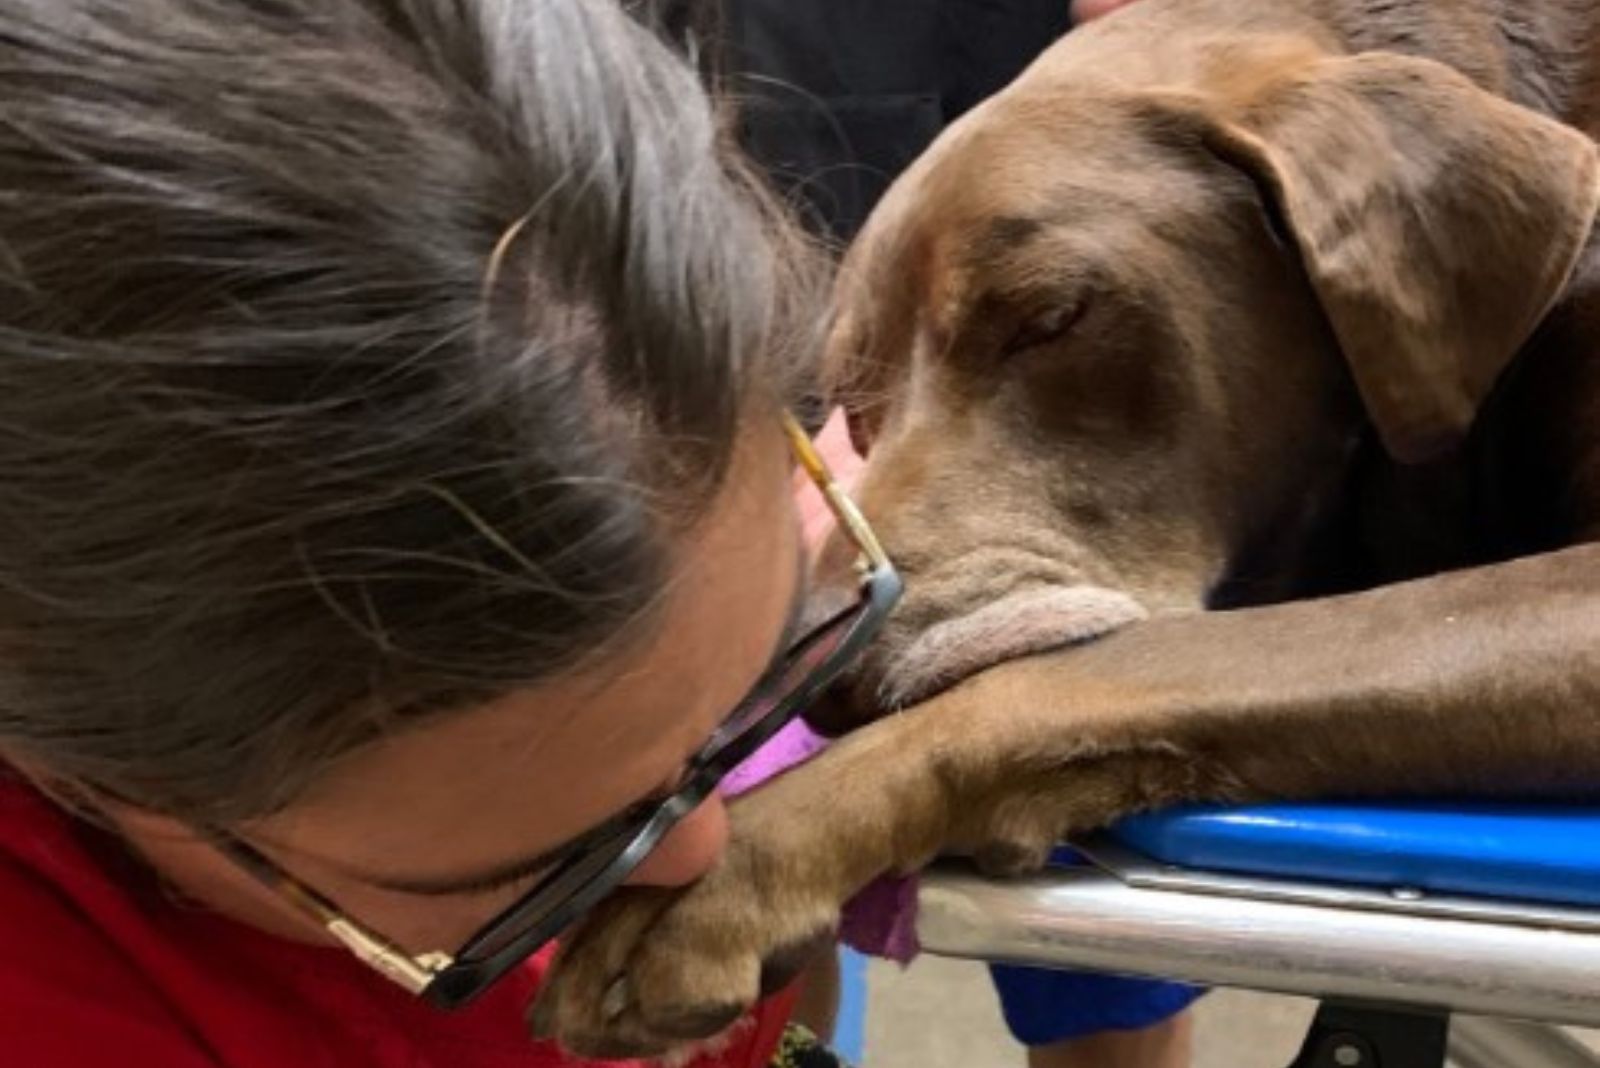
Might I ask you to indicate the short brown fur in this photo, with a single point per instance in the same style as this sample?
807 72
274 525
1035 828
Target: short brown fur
1287 307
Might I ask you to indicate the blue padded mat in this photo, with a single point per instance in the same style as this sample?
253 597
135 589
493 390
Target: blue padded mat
1530 852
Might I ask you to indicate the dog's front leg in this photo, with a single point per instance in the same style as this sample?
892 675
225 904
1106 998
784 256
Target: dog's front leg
1482 682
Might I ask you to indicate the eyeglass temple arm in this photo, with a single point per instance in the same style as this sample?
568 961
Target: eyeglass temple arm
415 974
844 509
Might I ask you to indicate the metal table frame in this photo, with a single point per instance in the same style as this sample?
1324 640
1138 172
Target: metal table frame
1401 975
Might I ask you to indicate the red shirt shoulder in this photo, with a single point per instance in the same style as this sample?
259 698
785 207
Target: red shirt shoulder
98 967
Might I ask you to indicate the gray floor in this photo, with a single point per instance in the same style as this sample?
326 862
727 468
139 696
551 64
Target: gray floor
943 1014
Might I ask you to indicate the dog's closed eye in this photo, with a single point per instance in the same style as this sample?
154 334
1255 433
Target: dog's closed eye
1044 328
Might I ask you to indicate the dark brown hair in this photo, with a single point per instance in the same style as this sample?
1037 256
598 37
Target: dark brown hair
278 470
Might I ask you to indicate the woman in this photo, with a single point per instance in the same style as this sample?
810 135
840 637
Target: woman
396 540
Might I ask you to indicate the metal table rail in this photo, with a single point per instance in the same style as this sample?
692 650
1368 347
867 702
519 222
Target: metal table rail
1345 945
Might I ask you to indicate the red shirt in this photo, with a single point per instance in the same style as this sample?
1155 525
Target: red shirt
100 969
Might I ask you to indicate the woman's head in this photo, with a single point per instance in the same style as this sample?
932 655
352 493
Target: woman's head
361 361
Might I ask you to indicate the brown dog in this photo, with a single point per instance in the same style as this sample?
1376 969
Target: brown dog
1224 303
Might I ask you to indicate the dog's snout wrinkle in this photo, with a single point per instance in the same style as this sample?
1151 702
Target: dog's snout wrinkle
1032 620
989 573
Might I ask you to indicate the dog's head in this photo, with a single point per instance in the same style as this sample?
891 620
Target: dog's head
1120 328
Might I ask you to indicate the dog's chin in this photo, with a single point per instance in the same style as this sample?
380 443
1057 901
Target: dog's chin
1021 624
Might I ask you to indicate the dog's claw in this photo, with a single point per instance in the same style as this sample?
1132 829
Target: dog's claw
615 1001
1010 859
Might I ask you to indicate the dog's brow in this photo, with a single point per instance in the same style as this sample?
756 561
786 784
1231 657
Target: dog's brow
1013 229
1002 236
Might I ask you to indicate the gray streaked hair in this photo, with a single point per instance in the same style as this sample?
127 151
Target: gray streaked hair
283 462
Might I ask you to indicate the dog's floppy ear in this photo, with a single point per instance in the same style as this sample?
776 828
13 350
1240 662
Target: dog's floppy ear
1437 223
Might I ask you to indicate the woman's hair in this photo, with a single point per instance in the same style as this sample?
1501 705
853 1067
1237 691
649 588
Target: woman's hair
359 360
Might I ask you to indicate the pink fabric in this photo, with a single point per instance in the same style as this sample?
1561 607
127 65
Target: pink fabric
881 920
793 745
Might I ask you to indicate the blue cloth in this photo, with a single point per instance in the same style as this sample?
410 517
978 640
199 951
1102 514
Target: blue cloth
1043 1006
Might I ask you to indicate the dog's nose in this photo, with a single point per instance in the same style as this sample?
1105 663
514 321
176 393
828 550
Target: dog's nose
833 712
835 586
830 714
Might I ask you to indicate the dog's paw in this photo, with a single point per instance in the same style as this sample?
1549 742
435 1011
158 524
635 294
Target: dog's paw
653 972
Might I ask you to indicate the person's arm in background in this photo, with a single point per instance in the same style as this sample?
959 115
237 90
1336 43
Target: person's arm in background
1084 10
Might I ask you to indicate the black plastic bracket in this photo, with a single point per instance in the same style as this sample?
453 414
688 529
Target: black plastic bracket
1358 1036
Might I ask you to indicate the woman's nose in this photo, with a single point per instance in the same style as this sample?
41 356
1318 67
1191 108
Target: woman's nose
689 849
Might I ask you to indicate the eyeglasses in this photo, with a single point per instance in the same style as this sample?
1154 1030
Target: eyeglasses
594 865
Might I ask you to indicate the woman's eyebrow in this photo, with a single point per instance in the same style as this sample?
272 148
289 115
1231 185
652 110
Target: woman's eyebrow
512 870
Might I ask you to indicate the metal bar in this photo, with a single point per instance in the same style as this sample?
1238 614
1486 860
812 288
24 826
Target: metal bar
1136 869
1087 919
1477 1042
